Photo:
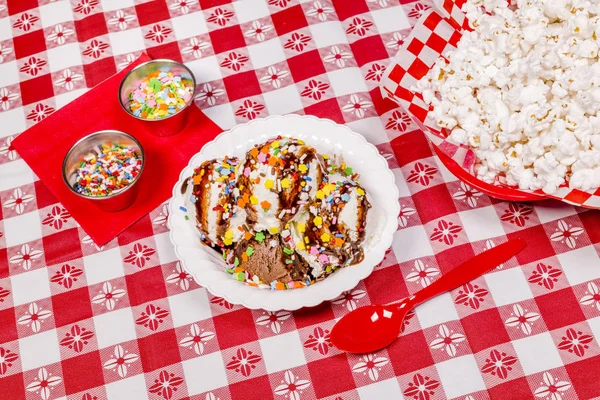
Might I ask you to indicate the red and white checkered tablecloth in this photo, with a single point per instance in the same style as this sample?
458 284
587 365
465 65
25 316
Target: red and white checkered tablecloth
123 321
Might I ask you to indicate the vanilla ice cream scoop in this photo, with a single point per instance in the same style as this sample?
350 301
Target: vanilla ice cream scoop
328 235
210 196
276 181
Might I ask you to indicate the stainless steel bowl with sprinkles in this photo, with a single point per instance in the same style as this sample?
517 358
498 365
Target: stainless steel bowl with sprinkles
104 167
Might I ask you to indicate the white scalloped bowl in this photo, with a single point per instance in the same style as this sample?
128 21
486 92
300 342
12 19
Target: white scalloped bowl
206 265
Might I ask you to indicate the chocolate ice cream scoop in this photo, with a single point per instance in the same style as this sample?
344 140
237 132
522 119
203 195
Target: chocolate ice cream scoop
269 257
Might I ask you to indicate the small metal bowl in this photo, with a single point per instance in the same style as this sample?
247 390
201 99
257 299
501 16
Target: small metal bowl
117 200
171 124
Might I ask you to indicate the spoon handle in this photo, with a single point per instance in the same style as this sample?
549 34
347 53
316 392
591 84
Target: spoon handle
469 270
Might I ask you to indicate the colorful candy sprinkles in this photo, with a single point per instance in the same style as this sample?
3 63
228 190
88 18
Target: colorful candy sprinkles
107 169
160 95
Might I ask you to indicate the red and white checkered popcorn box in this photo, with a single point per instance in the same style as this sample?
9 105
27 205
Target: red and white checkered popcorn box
437 32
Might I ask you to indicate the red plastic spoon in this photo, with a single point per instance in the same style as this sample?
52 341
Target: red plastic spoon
371 328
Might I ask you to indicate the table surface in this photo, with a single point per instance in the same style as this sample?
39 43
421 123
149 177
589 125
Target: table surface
123 321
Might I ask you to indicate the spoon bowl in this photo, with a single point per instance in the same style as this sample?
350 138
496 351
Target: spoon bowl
377 325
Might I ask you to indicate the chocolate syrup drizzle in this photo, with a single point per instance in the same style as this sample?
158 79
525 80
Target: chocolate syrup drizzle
288 198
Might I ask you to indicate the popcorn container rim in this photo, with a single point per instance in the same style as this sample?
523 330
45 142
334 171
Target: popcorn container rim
436 32
117 200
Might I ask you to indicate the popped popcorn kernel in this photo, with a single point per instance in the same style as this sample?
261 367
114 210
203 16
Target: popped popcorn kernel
522 89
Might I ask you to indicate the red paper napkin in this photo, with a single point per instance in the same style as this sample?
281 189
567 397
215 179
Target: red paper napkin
45 145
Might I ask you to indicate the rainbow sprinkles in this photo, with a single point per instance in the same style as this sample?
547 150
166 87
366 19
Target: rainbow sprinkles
160 95
107 169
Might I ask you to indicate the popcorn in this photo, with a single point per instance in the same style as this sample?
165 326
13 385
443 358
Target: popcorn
523 91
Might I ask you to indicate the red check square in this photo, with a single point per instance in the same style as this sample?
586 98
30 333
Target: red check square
227 39
8 333
415 47
260 388
90 27
542 248
397 74
343 375
71 306
454 256
3 262
433 202
140 230
168 50
560 308
151 12
418 69
288 20
417 111
37 89
314 315
437 43
206 4
82 372
410 147
43 196
168 344
13 385
432 21
495 332
17 6
241 322
146 285
582 373
29 44
382 104
410 353
515 389
326 109
98 71
369 49
346 9
590 224
385 285
455 38
306 65
242 84
62 246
